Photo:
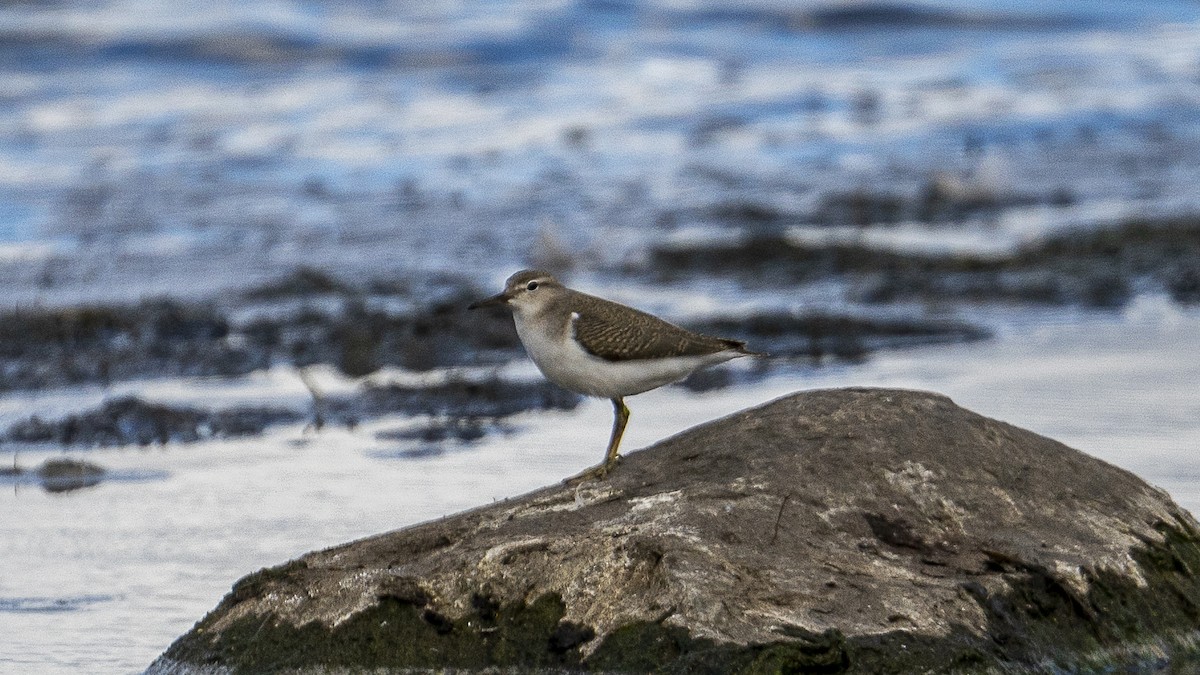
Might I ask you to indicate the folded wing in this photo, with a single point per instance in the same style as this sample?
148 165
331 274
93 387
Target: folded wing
616 333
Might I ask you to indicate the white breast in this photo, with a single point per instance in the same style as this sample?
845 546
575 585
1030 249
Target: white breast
565 363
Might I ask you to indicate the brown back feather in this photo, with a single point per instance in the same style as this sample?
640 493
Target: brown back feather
609 331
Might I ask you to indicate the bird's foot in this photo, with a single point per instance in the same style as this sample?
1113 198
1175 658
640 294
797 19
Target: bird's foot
598 472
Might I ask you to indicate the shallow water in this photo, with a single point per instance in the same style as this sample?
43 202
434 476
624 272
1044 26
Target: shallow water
104 578
192 150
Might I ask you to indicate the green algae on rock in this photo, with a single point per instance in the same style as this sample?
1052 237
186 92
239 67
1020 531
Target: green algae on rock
840 531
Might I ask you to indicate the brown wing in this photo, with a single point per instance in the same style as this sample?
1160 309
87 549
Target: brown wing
617 333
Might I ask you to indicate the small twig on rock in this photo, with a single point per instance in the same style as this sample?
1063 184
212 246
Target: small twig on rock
779 517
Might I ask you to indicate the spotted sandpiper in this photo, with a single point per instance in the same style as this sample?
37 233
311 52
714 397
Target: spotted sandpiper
601 348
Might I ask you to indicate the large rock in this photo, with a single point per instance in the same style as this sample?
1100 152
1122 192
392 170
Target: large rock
852 530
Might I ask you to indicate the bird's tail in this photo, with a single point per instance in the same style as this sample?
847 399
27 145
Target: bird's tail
739 346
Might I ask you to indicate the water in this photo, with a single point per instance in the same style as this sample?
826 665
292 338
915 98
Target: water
147 147
103 579
167 148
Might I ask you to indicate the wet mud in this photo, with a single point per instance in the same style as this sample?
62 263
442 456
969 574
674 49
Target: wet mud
1100 268
816 336
940 198
42 348
133 421
310 316
461 409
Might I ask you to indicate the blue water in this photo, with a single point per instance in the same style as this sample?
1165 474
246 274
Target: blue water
152 148
259 125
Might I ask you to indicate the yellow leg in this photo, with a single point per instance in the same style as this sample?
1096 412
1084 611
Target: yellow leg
611 458
620 419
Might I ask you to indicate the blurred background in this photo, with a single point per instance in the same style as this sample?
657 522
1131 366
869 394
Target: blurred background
237 240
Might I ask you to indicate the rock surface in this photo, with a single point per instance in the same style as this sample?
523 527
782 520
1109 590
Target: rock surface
856 530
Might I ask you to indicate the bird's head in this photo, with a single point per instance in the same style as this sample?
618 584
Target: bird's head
525 291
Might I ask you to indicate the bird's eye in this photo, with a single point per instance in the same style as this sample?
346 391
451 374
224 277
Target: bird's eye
531 286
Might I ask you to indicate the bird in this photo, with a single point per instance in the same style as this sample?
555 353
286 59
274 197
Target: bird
601 348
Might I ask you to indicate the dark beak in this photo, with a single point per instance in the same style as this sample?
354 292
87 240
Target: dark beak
499 299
